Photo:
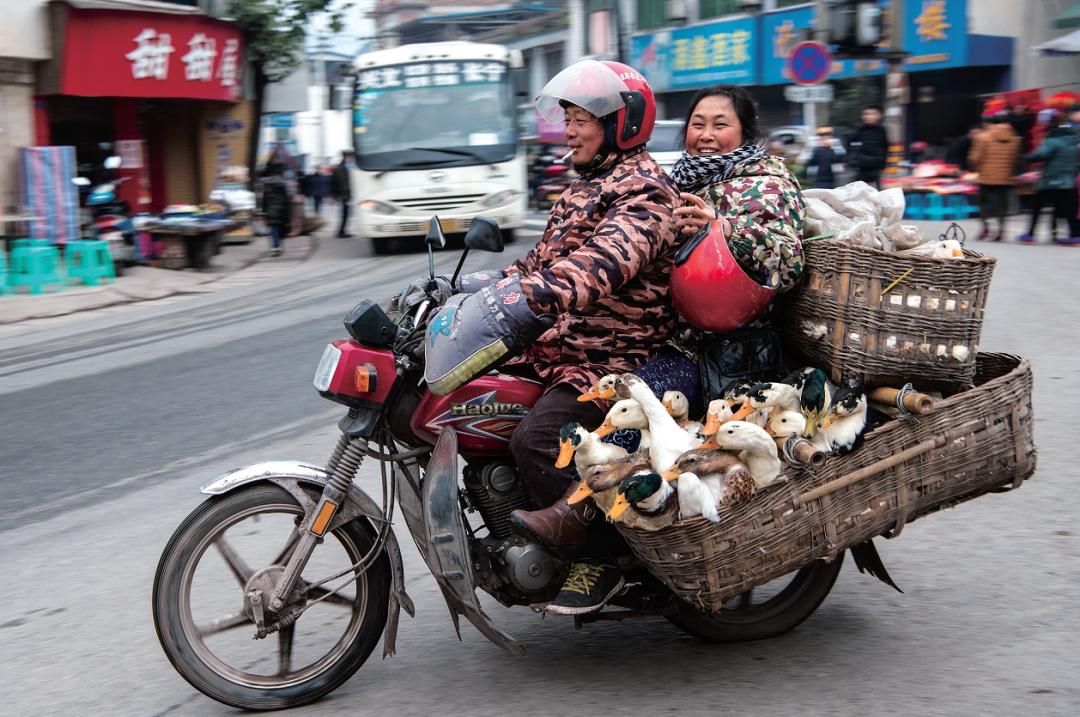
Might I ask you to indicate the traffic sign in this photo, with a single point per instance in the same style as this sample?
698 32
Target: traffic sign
809 63
808 93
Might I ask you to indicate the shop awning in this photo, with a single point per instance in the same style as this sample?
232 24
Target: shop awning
1065 45
1069 18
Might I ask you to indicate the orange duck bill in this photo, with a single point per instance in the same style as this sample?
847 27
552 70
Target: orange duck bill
583 491
671 473
595 394
711 443
606 429
566 454
745 410
618 507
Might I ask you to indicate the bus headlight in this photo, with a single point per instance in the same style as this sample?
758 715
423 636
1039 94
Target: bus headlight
499 198
373 205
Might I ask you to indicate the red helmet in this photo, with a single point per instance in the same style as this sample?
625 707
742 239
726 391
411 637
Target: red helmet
602 89
710 289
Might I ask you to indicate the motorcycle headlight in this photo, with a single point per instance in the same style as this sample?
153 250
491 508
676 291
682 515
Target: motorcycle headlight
374 205
499 198
328 364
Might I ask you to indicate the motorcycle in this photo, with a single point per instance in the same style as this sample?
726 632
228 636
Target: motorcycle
110 218
283 545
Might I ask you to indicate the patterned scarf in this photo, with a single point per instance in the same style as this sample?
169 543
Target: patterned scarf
693 172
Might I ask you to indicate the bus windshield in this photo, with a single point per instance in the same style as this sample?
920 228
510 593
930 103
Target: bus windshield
433 114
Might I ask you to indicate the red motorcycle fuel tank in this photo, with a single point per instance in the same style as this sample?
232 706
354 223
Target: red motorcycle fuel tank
484 412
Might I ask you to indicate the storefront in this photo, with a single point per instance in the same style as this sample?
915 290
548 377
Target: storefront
162 90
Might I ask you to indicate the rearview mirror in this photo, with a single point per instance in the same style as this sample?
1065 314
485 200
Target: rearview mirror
435 237
484 234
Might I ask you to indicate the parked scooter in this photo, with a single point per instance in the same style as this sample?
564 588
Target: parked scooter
110 218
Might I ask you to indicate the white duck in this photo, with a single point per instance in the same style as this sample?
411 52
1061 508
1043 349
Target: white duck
627 413
696 498
668 440
755 446
586 449
718 413
602 389
784 423
678 405
772 397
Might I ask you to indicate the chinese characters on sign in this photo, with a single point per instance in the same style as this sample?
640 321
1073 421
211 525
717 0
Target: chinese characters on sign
720 49
150 58
697 56
428 74
931 22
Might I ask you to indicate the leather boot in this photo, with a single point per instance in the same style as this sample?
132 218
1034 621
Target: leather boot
558 524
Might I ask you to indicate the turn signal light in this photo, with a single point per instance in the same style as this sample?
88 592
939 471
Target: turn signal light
365 378
322 519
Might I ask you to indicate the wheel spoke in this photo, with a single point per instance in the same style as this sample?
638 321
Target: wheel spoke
223 624
285 641
335 599
239 568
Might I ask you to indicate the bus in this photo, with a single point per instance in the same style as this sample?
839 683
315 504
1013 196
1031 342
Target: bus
435 134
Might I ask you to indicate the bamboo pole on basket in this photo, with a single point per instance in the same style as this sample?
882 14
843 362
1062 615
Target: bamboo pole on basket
803 451
914 402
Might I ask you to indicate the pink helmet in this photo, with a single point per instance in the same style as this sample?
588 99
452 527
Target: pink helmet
710 289
603 89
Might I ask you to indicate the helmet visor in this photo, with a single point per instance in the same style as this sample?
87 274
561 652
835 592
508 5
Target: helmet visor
589 84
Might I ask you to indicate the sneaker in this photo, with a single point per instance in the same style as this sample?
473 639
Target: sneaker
984 234
1068 241
1026 239
587 589
275 252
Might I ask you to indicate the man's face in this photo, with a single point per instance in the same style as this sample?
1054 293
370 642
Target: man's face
871 116
584 134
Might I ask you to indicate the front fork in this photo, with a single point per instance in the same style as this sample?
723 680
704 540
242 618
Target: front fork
342 467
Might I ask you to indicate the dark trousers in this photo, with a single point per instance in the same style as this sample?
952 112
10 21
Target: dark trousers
316 202
994 204
535 442
345 207
1063 203
870 176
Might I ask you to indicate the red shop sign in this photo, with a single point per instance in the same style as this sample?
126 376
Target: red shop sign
116 53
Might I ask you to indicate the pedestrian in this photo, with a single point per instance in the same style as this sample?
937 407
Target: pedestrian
342 189
958 150
319 186
995 154
1056 187
822 158
591 298
276 206
869 148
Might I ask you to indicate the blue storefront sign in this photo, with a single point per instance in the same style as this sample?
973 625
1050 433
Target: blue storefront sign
782 31
697 56
935 33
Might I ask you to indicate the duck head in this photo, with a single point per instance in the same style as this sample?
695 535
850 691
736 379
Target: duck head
785 423
814 400
626 413
847 402
740 436
604 389
570 437
634 489
676 404
718 413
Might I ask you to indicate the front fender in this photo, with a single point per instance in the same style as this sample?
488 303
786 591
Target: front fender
290 474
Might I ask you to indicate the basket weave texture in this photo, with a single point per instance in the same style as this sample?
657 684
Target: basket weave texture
977 441
846 318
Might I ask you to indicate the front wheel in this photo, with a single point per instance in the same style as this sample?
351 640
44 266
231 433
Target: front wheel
239 541
767 611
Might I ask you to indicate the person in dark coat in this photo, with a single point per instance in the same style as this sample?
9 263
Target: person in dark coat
276 206
820 158
319 186
1057 183
342 189
869 148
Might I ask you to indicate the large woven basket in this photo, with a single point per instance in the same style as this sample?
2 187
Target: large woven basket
881 318
975 442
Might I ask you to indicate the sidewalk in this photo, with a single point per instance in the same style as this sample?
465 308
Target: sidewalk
144 283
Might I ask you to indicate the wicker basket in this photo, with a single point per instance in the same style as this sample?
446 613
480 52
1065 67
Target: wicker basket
975 442
882 318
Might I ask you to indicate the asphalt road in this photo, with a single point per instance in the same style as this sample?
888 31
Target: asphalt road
112 421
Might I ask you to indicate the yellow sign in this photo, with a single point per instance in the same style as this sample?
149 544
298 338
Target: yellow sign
784 39
931 21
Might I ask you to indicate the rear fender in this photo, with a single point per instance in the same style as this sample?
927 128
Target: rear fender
290 475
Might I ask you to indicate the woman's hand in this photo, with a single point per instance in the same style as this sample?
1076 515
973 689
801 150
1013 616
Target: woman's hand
689 219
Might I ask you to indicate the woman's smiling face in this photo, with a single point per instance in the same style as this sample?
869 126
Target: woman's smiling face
714 127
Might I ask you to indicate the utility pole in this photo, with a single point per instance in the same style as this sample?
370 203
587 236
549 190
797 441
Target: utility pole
896 81
574 47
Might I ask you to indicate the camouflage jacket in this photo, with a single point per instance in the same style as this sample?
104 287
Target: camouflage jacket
765 206
601 268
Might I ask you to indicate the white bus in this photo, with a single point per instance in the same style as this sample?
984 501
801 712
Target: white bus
435 133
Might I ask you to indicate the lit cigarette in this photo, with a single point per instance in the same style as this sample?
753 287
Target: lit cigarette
566 156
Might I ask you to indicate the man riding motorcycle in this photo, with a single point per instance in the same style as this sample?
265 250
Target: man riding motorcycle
591 298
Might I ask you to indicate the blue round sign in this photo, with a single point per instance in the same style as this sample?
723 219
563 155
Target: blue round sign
809 63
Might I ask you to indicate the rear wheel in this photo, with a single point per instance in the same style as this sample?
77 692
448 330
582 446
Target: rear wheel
766 611
240 541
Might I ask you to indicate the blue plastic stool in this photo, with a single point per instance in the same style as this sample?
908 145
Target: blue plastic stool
915 205
936 207
961 206
25 243
35 267
89 261
4 288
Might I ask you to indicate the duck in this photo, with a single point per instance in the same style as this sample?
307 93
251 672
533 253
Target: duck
815 396
627 413
772 397
784 423
586 449
651 497
602 389
845 423
600 480
755 448
736 393
717 414
678 406
668 441
726 476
